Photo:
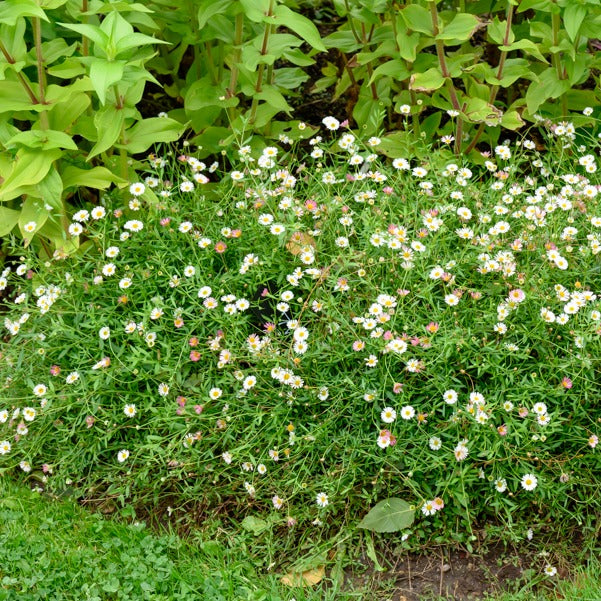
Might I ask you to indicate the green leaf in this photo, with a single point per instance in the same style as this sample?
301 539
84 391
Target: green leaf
255 525
302 26
390 515
548 86
462 27
44 139
371 553
91 32
33 209
29 168
108 122
418 19
512 120
397 69
528 46
8 220
11 10
64 114
134 40
408 44
14 98
544 5
255 10
427 81
147 132
573 17
274 98
496 31
104 74
209 8
97 177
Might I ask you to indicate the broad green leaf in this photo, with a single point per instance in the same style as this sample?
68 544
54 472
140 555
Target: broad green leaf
109 123
397 145
32 211
369 113
11 10
343 40
528 46
208 8
44 139
63 114
274 98
13 38
255 10
418 19
116 28
14 98
573 17
546 87
255 525
512 120
462 27
202 94
496 31
427 81
390 515
544 5
289 78
147 132
99 178
92 32
29 168
134 40
50 190
8 220
68 69
52 4
408 44
104 74
477 110
397 69
54 50
302 26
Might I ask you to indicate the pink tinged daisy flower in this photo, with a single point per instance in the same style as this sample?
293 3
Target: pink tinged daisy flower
593 441
277 501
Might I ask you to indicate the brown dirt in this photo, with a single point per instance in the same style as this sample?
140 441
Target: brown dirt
442 574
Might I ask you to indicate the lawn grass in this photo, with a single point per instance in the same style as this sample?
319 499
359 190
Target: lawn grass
55 549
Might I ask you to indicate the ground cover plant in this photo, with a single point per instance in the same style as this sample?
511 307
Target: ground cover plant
296 339
51 547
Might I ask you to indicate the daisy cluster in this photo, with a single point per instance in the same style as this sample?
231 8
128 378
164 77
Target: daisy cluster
287 333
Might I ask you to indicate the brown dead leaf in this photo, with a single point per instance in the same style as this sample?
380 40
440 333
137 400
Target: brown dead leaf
308 578
298 241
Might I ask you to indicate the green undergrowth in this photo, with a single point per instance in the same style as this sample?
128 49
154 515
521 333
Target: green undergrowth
55 549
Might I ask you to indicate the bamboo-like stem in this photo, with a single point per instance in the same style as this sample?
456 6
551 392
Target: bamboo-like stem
261 69
238 36
350 21
37 33
10 60
442 61
556 59
85 43
495 89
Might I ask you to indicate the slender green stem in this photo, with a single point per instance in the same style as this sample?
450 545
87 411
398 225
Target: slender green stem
261 69
238 36
442 61
556 60
85 43
37 32
494 90
11 61
351 23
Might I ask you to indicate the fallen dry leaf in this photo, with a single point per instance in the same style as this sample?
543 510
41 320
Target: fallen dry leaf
308 578
298 241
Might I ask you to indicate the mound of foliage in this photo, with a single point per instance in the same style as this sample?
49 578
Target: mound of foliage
293 341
